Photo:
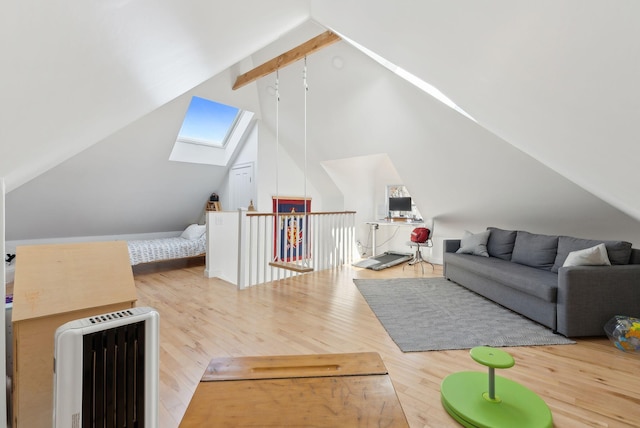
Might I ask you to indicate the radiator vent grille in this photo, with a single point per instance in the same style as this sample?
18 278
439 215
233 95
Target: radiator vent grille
113 379
110 316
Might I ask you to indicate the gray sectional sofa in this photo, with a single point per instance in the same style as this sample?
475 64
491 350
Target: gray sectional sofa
526 273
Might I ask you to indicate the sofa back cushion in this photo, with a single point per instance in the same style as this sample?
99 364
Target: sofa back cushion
500 243
619 252
535 250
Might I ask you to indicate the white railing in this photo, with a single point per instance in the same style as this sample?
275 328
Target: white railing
272 246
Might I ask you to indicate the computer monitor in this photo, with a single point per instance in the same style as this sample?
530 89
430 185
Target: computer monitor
400 204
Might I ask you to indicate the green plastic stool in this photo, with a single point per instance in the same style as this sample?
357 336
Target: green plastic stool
471 398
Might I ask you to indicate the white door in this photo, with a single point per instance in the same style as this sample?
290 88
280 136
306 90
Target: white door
241 186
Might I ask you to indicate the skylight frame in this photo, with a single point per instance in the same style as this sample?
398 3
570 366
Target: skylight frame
209 143
215 150
192 122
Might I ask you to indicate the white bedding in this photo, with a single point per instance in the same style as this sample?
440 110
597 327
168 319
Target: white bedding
153 250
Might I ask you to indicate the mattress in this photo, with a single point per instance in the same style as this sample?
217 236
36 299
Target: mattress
153 250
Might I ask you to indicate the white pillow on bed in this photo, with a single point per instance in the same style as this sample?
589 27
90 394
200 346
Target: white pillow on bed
194 231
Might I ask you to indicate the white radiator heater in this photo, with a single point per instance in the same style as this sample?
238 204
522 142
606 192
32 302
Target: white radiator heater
106 371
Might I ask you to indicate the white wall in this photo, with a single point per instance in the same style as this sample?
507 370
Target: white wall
362 181
222 245
248 153
279 174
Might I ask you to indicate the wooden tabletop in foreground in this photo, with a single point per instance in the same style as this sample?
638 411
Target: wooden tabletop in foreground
61 278
352 390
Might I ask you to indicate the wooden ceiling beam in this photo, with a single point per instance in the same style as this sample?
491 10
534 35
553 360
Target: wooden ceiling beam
310 46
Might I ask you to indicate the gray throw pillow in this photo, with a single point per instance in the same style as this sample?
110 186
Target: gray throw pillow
538 251
500 243
619 252
474 243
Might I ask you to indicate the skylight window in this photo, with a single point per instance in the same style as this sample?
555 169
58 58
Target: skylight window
211 133
414 80
208 122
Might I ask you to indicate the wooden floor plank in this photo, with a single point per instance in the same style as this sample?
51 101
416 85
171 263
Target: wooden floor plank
587 384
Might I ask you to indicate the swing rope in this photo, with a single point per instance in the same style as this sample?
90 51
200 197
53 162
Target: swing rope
306 90
277 260
305 232
277 223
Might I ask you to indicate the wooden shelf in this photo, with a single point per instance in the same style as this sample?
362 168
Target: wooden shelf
214 206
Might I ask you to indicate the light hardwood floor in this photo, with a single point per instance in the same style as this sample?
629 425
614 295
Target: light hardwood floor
587 384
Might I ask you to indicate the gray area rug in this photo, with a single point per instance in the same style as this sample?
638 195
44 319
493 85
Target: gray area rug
431 314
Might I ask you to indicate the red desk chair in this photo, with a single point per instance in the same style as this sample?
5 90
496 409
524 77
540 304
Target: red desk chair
420 238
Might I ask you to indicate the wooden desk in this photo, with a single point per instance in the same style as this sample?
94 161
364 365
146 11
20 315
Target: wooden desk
55 284
300 390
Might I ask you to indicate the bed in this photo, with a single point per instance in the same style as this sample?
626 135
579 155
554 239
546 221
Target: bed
191 243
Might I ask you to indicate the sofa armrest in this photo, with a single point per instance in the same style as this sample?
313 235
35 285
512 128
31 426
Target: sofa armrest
588 296
451 245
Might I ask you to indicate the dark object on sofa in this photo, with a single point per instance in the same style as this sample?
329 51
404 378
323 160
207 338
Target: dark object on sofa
524 272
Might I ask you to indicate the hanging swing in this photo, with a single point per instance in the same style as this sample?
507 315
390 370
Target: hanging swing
296 235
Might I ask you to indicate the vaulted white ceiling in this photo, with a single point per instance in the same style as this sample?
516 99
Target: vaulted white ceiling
74 71
548 81
558 80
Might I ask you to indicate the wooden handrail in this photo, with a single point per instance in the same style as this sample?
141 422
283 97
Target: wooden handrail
257 214
263 256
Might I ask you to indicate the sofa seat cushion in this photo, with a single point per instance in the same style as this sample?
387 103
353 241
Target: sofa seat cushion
619 252
540 283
